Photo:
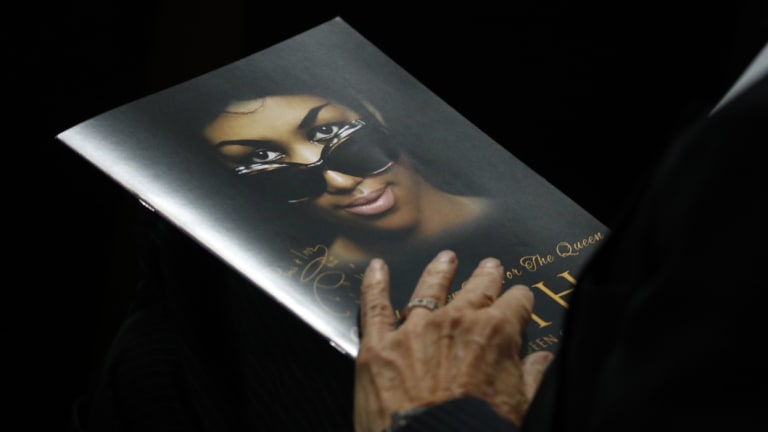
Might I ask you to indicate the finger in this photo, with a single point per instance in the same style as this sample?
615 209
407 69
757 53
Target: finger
483 286
434 283
517 304
534 366
376 314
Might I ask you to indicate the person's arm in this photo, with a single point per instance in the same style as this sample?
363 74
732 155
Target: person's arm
459 361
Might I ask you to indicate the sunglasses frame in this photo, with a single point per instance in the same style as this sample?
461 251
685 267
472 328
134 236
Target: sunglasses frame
341 136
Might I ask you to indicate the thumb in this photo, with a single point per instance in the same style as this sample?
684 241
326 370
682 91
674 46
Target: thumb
534 366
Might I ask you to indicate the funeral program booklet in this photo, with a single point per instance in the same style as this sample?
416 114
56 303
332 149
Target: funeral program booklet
298 164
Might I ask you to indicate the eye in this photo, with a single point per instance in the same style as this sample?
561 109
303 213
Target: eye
325 133
264 156
244 153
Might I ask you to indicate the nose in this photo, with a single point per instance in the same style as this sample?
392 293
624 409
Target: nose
336 182
305 152
339 183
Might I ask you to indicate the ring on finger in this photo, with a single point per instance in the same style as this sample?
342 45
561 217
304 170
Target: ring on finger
424 302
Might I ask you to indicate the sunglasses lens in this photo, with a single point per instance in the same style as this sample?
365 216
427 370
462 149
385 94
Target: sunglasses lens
290 184
364 153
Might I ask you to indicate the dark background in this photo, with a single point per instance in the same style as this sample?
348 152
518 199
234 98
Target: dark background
587 95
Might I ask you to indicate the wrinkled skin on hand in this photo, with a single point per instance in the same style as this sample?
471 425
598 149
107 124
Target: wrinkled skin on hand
468 347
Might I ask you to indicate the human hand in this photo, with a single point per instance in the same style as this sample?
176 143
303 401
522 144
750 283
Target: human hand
469 347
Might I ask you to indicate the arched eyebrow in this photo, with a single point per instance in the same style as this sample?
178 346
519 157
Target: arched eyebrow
311 116
243 142
309 119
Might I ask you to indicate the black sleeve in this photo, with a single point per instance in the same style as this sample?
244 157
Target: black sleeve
661 327
462 414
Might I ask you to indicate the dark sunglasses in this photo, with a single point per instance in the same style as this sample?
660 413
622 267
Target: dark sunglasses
356 149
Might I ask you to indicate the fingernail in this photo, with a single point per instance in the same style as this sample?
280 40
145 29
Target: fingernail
521 286
490 262
376 264
446 256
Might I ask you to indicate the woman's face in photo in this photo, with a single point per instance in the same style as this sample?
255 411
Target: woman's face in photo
273 139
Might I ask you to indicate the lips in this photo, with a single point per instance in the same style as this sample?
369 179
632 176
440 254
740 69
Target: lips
372 203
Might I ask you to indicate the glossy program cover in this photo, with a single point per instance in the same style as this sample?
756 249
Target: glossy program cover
298 164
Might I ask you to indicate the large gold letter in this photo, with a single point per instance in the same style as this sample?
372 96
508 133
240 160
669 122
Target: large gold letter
557 297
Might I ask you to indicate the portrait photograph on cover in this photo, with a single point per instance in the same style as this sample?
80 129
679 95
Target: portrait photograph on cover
300 163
